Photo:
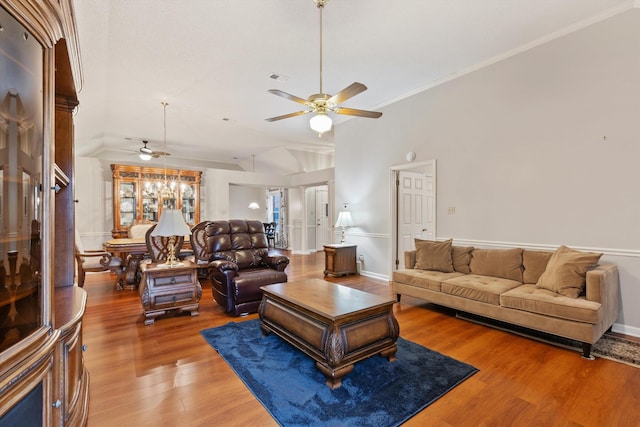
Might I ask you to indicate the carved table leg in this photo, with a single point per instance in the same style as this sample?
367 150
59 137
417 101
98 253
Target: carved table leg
390 353
130 272
334 376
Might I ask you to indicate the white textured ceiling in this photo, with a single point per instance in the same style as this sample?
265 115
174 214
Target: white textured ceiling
211 60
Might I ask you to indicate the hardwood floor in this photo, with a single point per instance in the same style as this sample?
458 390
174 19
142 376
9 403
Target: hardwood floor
165 374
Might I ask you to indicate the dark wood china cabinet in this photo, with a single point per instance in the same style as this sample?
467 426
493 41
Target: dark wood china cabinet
138 195
43 379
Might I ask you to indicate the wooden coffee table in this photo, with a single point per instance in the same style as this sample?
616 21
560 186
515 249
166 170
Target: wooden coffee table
335 325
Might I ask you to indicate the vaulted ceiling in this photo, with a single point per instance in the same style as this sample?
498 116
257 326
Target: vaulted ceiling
214 60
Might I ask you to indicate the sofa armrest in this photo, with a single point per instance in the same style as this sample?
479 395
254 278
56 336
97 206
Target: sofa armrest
409 259
603 286
277 262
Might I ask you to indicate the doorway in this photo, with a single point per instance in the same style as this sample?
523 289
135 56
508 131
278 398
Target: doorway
317 217
413 208
277 212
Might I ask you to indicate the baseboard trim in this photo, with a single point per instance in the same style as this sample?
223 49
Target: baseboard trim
626 330
374 275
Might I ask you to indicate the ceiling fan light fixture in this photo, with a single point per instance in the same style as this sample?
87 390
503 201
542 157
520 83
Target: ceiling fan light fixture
145 156
321 102
321 123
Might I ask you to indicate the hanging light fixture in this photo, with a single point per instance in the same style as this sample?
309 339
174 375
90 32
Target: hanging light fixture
254 205
167 190
322 103
321 123
145 152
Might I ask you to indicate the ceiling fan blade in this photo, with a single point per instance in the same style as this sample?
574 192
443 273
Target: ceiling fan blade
286 116
157 154
288 96
346 93
359 113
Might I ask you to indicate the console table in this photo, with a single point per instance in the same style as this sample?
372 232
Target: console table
339 259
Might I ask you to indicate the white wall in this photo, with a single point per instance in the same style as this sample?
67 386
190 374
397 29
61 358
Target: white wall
94 209
240 196
223 195
538 150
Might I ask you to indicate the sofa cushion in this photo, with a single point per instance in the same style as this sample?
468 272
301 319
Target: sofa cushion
503 263
534 264
566 271
423 278
480 288
549 303
461 257
432 255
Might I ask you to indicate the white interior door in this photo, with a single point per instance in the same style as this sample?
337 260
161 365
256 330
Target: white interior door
416 210
310 218
323 231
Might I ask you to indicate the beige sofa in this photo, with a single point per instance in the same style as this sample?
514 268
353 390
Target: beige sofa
566 293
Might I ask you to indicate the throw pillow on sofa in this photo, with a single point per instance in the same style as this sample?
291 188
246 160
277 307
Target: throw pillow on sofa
566 271
432 255
461 257
534 263
504 263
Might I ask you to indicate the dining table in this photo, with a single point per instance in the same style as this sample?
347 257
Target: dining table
132 251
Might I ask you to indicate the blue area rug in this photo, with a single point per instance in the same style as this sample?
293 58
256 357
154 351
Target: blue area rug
376 393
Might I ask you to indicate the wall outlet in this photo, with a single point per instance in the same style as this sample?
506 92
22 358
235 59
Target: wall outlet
361 258
452 210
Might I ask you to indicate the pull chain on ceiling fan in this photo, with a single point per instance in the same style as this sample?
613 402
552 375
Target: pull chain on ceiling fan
321 103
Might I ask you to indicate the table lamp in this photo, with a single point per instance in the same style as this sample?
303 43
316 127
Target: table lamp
344 220
171 224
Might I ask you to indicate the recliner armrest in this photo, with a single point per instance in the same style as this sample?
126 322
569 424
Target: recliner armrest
223 265
277 262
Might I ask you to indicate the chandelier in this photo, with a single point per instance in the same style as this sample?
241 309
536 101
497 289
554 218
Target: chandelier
167 190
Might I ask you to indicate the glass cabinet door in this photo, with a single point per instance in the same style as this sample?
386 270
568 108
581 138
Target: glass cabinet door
187 194
150 202
21 175
127 192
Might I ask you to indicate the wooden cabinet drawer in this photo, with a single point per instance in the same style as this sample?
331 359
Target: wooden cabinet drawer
173 280
176 298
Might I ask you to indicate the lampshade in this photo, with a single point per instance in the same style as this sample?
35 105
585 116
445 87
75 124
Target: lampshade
145 156
254 205
344 219
171 224
320 122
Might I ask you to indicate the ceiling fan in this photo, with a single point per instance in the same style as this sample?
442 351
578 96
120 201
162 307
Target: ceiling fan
146 153
322 103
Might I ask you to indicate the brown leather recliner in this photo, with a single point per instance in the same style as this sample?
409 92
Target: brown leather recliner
241 264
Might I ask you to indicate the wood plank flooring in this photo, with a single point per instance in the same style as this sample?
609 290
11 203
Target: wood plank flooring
165 374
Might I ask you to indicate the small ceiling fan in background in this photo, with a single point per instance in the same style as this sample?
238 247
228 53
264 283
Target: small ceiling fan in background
322 103
145 153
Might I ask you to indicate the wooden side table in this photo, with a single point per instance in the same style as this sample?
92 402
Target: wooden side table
163 289
339 259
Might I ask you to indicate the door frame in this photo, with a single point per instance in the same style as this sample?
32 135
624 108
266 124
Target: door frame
422 166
